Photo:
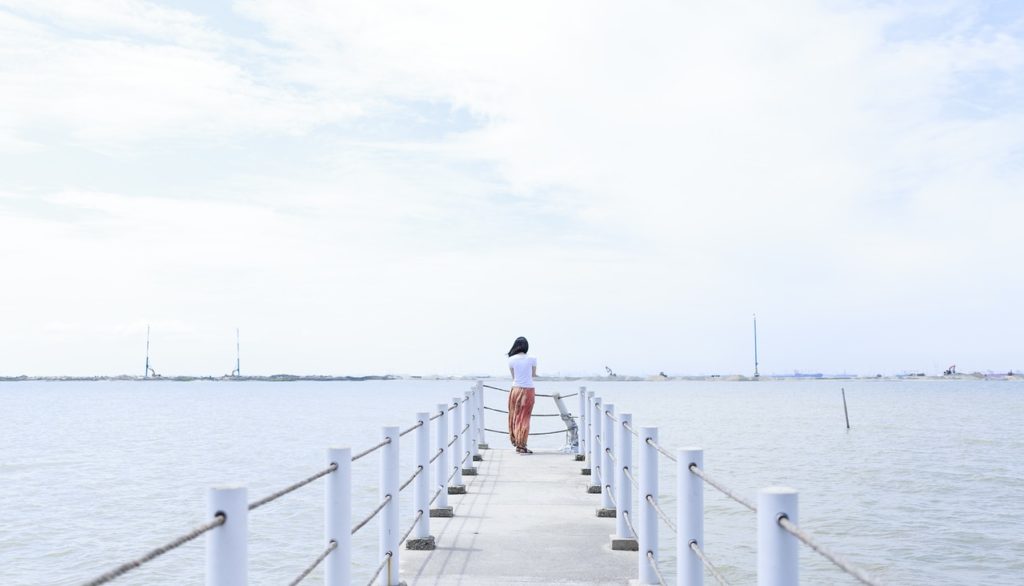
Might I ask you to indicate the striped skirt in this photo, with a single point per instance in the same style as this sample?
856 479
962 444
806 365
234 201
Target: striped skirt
520 407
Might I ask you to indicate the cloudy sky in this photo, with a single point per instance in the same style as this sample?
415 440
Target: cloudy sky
405 187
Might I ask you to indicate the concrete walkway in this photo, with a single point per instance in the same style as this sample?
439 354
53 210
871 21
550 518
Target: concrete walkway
527 519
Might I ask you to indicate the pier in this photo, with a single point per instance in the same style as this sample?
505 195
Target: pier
473 515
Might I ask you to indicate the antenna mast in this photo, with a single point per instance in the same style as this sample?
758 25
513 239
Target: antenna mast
756 374
146 373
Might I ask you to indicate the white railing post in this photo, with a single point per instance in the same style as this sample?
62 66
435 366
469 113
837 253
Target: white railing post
441 508
474 429
389 484
227 556
608 476
338 518
777 550
581 450
647 528
480 414
689 517
457 486
421 537
624 539
595 445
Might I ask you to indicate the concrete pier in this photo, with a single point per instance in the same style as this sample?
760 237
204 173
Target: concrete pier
526 519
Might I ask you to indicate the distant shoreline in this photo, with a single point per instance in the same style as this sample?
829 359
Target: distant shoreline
1014 376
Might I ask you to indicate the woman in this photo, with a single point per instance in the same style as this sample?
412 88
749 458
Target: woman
520 401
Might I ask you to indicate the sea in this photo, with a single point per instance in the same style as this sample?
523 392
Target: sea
925 487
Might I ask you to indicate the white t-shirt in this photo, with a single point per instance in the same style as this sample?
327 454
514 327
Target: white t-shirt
522 370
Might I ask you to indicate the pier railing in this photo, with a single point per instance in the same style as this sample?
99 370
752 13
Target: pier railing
607 447
438 471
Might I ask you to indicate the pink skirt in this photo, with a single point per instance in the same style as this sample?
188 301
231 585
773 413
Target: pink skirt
520 407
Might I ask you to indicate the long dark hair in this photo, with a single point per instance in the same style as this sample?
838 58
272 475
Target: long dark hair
520 346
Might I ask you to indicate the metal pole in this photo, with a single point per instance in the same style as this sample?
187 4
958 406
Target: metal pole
226 548
474 429
623 487
595 438
480 414
689 517
338 518
648 525
457 452
581 451
421 486
608 475
441 463
777 550
389 532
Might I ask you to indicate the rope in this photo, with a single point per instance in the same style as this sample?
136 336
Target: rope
629 523
531 434
727 492
455 438
611 495
333 546
411 527
663 451
531 415
654 566
217 521
387 558
707 563
535 394
418 424
453 406
455 470
845 566
466 457
436 415
299 484
629 428
661 513
611 455
437 493
629 475
411 478
371 450
362 523
437 455
610 415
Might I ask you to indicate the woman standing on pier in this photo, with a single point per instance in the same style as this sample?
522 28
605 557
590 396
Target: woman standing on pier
520 401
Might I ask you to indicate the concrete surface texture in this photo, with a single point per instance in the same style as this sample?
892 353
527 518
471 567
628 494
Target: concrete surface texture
526 519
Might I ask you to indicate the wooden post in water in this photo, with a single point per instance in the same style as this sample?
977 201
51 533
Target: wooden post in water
845 412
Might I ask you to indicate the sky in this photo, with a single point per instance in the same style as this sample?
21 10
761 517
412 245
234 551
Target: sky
405 187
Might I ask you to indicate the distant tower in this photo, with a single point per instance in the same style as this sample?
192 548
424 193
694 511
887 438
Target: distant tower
756 374
145 373
238 357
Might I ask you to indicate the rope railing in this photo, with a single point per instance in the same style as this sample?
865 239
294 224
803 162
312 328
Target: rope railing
629 475
611 415
611 455
707 563
611 494
660 449
408 531
418 425
217 521
411 478
436 455
531 434
536 394
272 497
661 513
373 514
654 566
369 451
531 415
721 488
845 566
387 558
437 493
309 570
436 415
629 523
629 428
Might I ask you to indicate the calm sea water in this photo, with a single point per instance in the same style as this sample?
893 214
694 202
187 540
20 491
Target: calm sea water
926 488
